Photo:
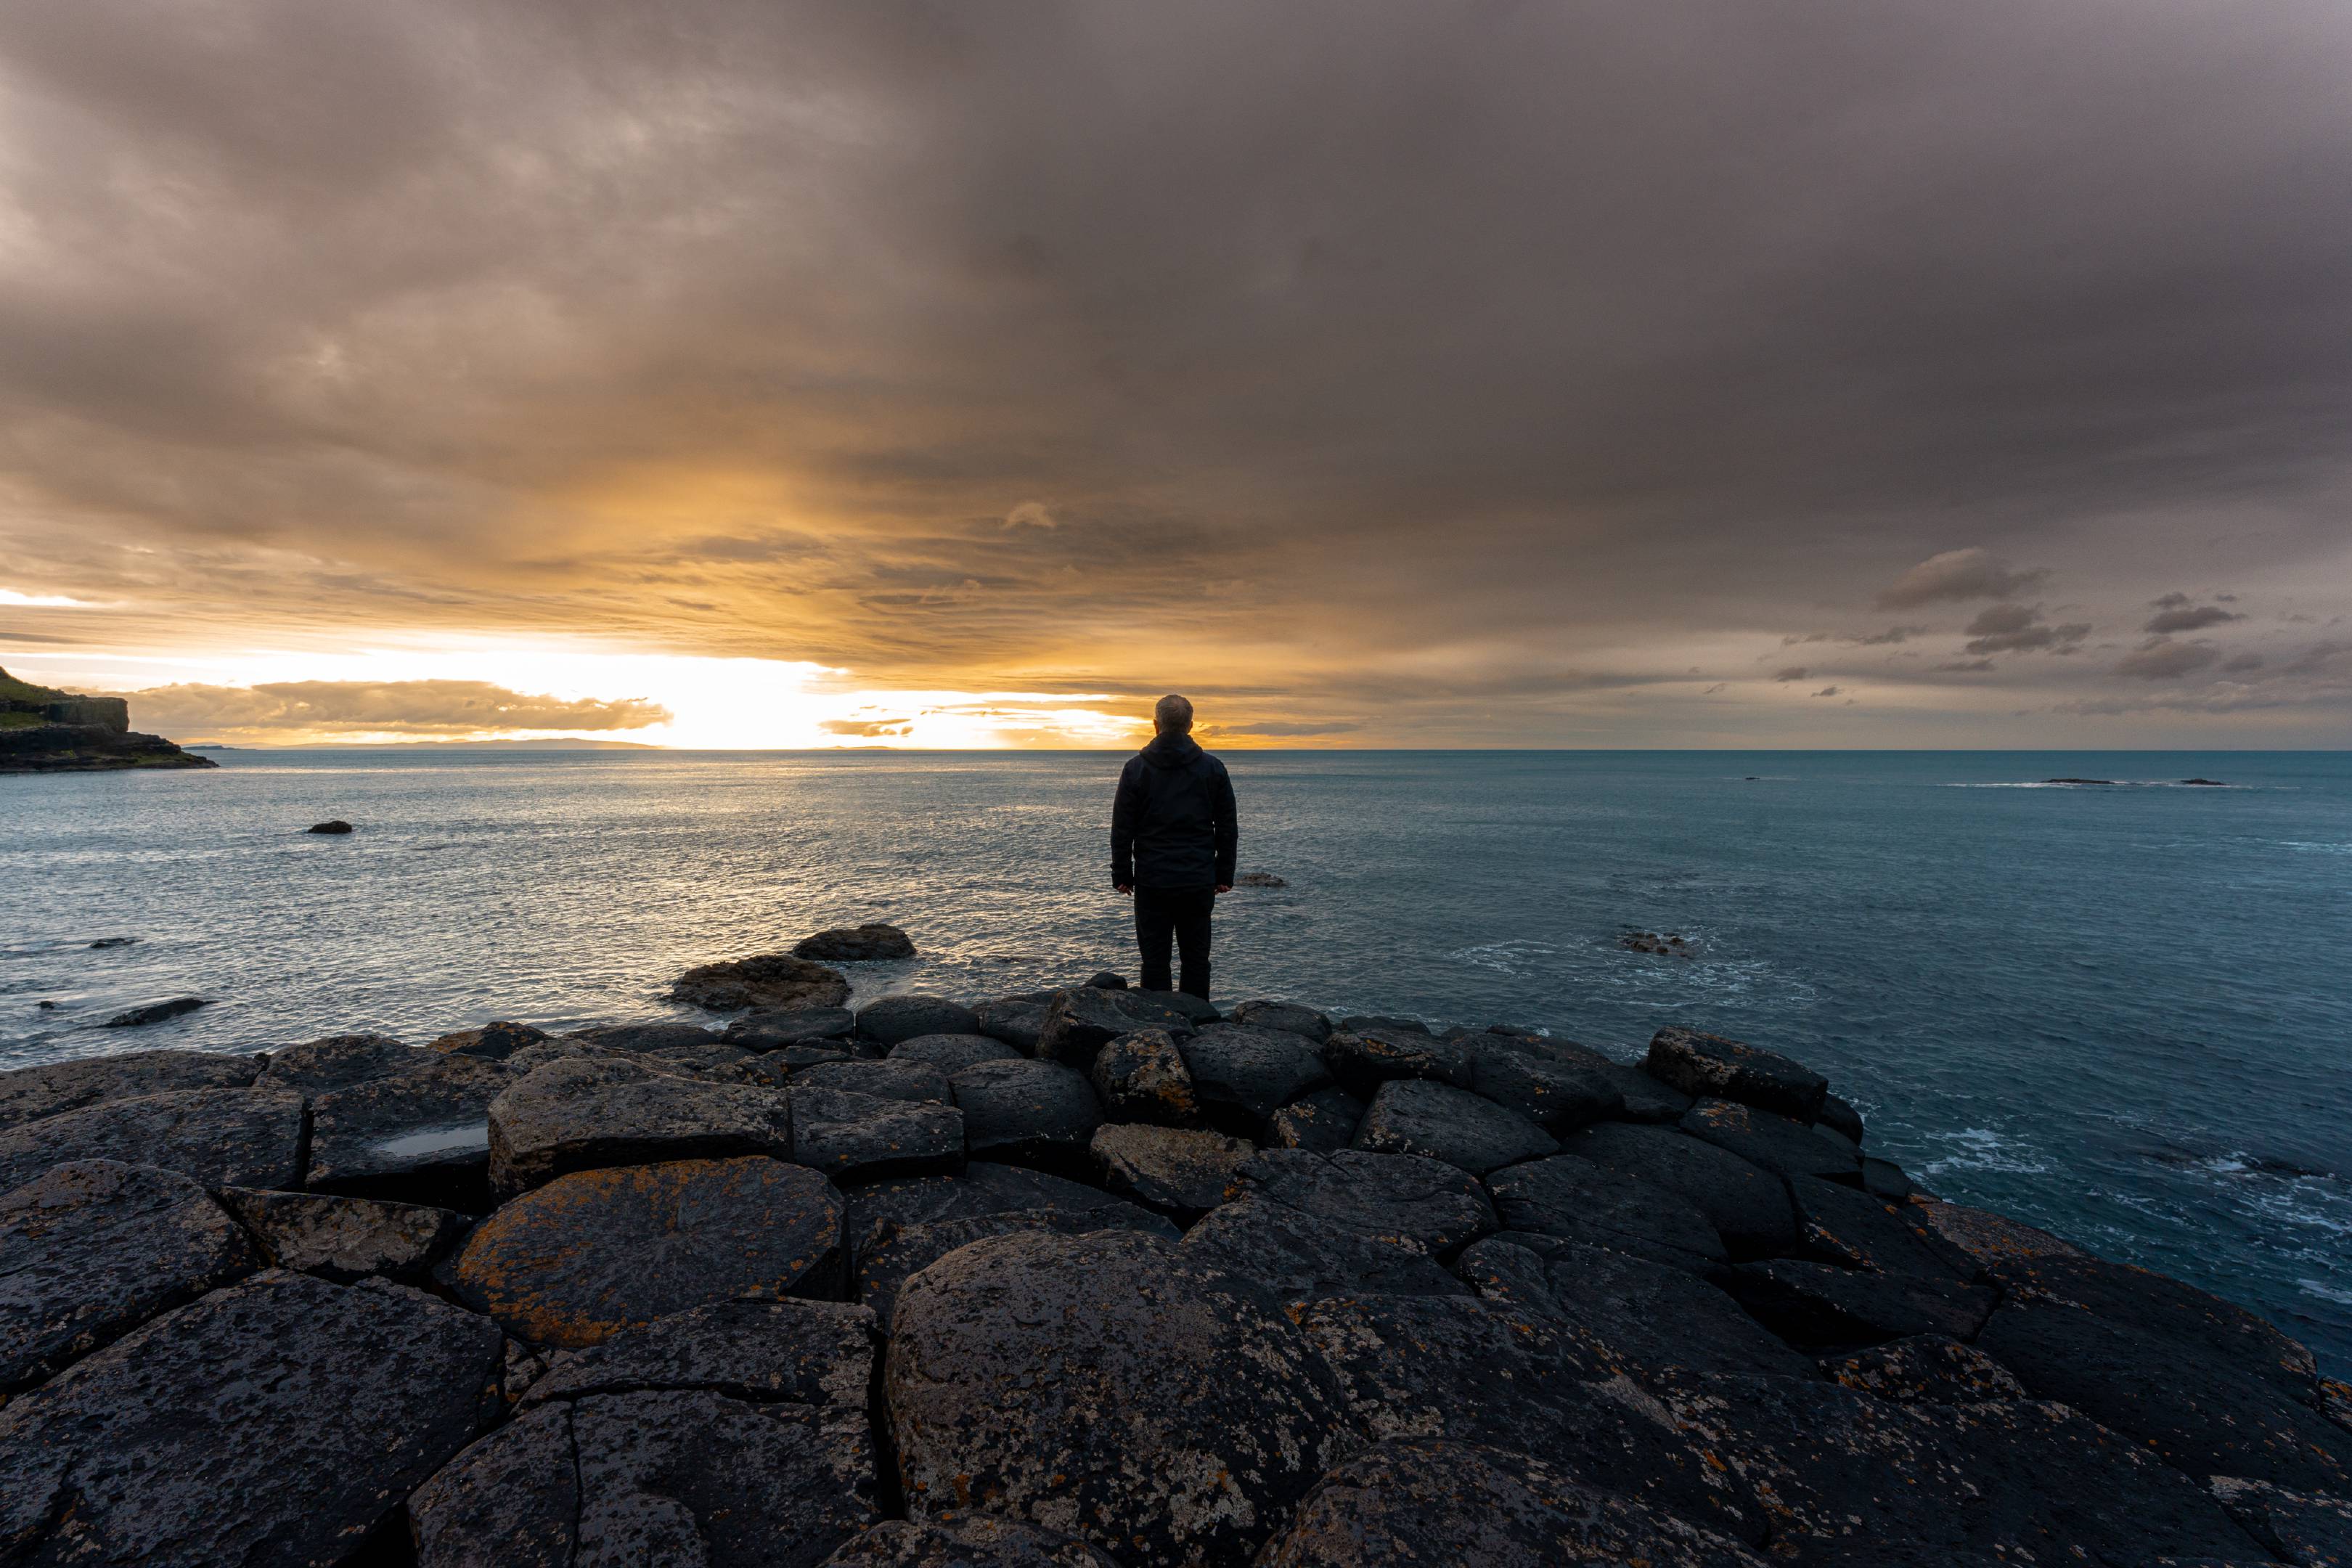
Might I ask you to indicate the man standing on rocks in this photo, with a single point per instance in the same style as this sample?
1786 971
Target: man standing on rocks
1172 838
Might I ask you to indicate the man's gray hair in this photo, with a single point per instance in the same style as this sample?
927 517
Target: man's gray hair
1174 712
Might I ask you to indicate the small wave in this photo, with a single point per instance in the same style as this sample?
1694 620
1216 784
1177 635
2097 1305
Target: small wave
2316 848
1982 1149
1512 957
2325 1292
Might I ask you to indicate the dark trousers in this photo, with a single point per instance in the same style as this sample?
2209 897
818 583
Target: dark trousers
1184 916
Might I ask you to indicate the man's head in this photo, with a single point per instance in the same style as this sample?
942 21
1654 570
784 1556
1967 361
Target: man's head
1172 715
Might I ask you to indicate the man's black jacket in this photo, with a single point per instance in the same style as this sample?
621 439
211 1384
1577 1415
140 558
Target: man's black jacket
1171 826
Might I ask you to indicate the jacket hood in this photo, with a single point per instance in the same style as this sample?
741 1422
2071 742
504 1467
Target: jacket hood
1171 751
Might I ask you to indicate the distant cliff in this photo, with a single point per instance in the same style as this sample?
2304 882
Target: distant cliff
44 731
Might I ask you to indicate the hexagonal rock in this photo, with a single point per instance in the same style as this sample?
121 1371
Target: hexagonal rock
92 1249
1300 1257
772 1029
1243 1075
1024 1110
493 1041
1572 1199
1552 1083
904 1077
1644 1098
218 1137
1140 1077
1288 1016
849 1135
1015 1023
1710 1067
345 1239
1107 1386
1772 1143
1416 1116
901 1252
963 1541
1992 1238
1748 1206
28 1094
1177 1170
1839 1116
952 1053
717 1062
816 1355
1364 1059
589 1254
887 1020
1081 1022
338 1061
1437 1205
277 1420
1859 1230
581 1115
1324 1122
982 1187
1925 1369
422 1136
1433 1500
773 981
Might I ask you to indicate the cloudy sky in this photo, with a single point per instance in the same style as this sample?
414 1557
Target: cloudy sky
1884 373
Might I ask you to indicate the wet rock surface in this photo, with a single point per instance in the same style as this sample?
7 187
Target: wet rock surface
772 982
579 1115
339 1061
1033 1111
419 1136
220 1137
28 1094
772 1029
887 1020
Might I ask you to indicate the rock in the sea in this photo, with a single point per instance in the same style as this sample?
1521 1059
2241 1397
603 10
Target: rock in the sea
153 1012
569 1263
493 1041
1290 1017
1026 1110
1018 1024
1432 1501
899 1252
849 1135
1363 1059
775 982
278 1420
1710 1067
333 825
1324 1122
27 1094
1419 1116
1437 1204
1106 1385
1572 1199
344 1239
871 943
1301 1258
421 1136
772 1029
581 1115
950 1053
963 1541
1180 1170
1749 1206
895 1078
107 942
1925 1369
220 1137
1141 1076
887 1020
1663 944
92 1249
1242 1075
1774 1143
1259 879
338 1061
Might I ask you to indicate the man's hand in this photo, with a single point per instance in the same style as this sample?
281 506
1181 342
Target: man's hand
1225 886
1127 888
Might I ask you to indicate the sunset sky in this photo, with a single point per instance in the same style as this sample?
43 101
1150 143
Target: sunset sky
1888 373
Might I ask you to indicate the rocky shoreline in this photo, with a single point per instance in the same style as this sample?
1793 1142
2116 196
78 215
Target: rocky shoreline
1088 1276
45 730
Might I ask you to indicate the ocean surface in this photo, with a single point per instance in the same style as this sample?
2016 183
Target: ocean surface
2123 1011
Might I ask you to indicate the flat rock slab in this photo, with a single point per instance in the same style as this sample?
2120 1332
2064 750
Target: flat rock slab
496 1041
2301 1528
1324 1122
950 1053
1025 1109
218 1137
90 1250
346 1239
1432 1501
1080 1022
901 1252
1748 1206
1440 1207
982 1187
772 982
887 1020
1177 1170
417 1137
900 1078
1141 1076
966 1541
1860 1230
1991 1238
595 1252
1711 1067
772 1029
1288 1016
849 1135
1572 1199
1364 1059
1821 1305
1243 1075
1644 1099
1554 1084
585 1114
1107 1386
1297 1257
28 1094
1772 1141
816 1355
277 1420
1625 1313
1418 1116
338 1061
874 942
717 1062
1927 1368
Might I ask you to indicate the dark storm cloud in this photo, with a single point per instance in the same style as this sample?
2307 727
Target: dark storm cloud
1325 349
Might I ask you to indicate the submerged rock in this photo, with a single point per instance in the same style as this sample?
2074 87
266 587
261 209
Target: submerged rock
871 943
27 1094
345 1239
153 1013
493 1041
775 982
334 825
220 1137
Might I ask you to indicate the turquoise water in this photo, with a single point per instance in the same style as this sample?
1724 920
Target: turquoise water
2125 1012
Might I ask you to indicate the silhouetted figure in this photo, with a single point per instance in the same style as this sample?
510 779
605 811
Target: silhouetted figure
1172 838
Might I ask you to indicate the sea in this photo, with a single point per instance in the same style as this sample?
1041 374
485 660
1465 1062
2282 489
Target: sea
2119 1010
